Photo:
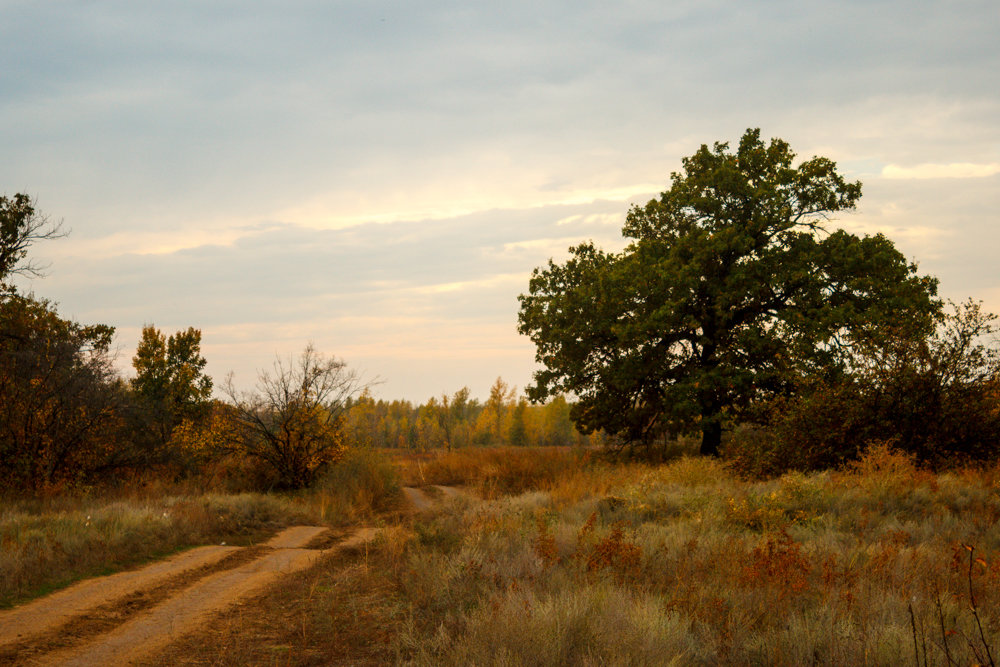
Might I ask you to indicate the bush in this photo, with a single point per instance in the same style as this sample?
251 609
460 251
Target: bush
292 423
936 398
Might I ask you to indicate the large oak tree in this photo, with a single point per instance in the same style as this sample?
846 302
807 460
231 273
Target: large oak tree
731 287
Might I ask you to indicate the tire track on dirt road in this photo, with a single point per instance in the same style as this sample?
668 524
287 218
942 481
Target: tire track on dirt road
417 498
52 611
125 633
421 501
130 616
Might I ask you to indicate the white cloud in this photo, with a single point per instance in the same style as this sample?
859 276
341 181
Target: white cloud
593 219
952 170
542 246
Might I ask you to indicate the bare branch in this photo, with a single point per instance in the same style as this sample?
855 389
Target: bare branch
21 226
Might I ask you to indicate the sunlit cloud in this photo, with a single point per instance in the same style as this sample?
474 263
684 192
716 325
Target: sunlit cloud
342 210
593 219
489 281
544 245
952 170
381 179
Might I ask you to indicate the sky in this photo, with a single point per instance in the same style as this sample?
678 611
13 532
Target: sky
380 178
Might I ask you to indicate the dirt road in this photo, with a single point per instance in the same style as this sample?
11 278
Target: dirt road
127 617
58 629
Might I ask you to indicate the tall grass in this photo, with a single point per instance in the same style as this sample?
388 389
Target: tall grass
494 471
359 487
688 563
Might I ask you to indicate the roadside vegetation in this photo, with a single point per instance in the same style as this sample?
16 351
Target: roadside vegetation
687 562
47 543
878 563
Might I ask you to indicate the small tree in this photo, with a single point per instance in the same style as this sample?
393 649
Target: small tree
170 381
292 422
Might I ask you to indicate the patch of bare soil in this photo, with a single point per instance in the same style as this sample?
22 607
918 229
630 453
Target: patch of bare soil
424 498
417 498
451 491
40 616
69 626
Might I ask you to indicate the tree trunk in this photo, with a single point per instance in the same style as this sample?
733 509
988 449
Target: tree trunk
711 438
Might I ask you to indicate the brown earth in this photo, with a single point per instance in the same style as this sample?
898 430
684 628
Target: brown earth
37 617
127 617
417 498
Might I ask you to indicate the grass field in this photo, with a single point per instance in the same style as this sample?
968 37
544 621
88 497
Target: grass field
568 559
685 563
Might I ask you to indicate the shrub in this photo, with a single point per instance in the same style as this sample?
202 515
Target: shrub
293 422
937 398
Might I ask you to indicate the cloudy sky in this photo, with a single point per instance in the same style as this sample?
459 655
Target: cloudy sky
380 178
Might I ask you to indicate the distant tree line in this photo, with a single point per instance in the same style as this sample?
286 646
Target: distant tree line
460 421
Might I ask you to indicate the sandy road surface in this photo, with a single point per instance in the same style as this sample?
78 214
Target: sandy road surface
182 611
177 616
185 591
421 501
42 615
417 498
450 491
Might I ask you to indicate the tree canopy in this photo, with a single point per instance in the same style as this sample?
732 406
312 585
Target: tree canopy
731 287
170 386
58 400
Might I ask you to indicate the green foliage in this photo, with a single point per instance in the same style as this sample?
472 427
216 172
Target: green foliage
170 383
935 397
170 370
730 290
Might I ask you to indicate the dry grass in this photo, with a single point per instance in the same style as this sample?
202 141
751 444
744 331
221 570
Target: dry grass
493 471
42 551
687 563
